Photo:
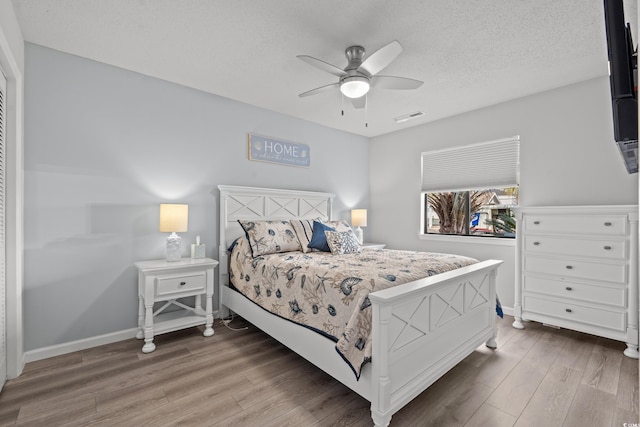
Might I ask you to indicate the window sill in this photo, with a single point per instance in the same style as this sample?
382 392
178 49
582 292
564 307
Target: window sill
491 241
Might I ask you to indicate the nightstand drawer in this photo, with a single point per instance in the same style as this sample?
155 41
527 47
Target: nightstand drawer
580 291
610 319
172 285
615 273
606 248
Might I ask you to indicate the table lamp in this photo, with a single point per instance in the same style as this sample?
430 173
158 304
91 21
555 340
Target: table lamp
359 219
174 219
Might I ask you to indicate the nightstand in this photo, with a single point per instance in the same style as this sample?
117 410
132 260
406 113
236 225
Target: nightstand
373 245
161 280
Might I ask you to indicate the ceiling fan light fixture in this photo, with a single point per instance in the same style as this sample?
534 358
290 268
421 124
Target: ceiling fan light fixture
354 86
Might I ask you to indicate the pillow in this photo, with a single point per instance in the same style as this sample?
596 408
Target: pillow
304 231
340 225
270 237
318 239
342 242
233 245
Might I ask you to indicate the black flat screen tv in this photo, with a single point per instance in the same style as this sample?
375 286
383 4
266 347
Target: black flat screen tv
623 82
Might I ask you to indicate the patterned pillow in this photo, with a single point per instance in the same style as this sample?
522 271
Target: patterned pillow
304 231
342 242
340 225
270 237
318 239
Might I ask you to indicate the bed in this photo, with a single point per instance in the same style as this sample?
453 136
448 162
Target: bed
419 329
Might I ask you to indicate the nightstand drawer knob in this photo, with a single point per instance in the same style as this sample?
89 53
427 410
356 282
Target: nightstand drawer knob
607 248
607 224
569 288
568 310
569 267
183 283
536 243
536 222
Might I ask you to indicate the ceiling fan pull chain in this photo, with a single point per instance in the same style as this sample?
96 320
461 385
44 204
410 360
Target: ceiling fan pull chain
342 103
366 111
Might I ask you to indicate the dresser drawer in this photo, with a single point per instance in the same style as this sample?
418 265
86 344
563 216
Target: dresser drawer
606 248
615 273
605 225
610 319
174 284
580 291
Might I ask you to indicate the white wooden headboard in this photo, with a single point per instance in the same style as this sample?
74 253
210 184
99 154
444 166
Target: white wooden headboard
252 203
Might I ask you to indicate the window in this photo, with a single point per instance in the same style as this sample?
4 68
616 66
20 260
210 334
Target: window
471 213
471 190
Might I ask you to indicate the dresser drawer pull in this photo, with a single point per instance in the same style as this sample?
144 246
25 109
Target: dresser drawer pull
536 222
183 283
607 248
607 224
536 243
569 288
568 310
569 267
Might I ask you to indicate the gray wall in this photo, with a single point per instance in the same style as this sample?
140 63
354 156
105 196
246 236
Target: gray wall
104 147
567 157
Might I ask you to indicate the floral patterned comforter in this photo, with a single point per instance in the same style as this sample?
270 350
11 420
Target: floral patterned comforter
330 293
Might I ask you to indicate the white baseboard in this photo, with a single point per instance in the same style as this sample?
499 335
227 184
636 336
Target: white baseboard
83 344
507 310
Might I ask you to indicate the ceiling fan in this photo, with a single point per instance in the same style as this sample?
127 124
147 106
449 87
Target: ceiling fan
361 73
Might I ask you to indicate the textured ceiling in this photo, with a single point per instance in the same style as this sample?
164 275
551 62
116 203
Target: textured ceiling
470 53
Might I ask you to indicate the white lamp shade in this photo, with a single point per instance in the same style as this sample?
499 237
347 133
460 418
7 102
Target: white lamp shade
359 217
174 218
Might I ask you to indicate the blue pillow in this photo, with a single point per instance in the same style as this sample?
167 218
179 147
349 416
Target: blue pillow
318 239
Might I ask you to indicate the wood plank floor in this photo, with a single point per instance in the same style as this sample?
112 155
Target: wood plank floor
538 376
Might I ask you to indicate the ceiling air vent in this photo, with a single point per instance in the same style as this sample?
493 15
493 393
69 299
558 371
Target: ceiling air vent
409 116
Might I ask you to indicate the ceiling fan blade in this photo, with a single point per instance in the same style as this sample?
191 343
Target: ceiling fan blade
359 102
382 57
324 66
393 82
318 90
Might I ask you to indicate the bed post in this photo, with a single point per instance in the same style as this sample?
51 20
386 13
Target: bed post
381 396
223 257
517 304
491 342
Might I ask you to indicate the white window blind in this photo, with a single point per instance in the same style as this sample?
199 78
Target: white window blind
493 164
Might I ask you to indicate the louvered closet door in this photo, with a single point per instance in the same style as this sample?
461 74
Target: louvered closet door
3 315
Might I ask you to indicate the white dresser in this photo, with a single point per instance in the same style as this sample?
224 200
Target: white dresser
577 268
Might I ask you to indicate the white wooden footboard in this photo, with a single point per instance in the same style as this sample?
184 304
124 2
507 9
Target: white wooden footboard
424 328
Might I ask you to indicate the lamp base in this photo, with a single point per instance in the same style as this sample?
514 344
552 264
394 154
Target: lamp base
359 235
174 247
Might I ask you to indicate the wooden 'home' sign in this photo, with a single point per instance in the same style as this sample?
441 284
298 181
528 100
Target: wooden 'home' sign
265 149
